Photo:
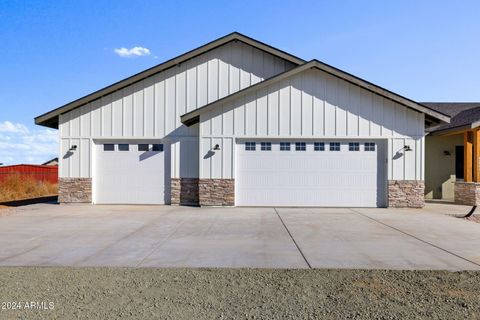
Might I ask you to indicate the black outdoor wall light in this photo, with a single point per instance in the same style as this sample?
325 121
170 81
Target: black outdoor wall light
407 148
73 148
216 147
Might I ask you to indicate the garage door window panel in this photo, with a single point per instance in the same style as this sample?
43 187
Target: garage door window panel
334 146
284 146
143 147
354 146
369 146
250 146
266 146
123 147
157 147
108 147
300 146
319 146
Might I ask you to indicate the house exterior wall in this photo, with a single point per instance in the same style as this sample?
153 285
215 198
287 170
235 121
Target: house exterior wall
151 108
312 104
440 168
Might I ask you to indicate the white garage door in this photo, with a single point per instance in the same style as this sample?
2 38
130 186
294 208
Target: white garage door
127 173
302 173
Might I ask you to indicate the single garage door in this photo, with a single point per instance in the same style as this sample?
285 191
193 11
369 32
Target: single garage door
316 173
129 173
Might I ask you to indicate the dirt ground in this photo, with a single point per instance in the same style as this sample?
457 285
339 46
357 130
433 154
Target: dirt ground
112 293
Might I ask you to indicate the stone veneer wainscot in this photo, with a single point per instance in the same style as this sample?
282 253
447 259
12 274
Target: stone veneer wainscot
216 192
74 190
406 193
467 193
184 191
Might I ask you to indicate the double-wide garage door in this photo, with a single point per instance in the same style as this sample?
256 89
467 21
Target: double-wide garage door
316 173
129 173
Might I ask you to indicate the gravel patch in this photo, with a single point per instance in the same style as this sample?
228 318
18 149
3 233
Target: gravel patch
112 293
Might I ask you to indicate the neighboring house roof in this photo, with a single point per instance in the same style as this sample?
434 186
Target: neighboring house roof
464 115
51 162
50 119
432 116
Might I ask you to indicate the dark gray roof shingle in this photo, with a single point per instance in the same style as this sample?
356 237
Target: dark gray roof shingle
462 113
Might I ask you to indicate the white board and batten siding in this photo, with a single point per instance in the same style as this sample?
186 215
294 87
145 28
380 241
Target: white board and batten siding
309 105
151 109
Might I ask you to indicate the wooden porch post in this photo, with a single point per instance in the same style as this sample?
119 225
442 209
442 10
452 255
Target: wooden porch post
476 155
468 156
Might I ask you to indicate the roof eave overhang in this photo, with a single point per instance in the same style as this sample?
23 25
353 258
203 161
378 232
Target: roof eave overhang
50 119
456 130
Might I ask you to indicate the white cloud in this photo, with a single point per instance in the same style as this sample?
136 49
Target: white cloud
132 52
18 144
9 127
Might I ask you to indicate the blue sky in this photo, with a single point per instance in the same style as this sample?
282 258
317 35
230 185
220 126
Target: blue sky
56 51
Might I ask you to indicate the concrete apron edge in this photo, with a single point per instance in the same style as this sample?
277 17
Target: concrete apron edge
416 238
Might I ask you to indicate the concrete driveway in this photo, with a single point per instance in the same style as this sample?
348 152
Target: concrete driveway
165 236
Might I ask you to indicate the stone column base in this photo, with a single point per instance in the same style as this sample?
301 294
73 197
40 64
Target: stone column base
72 190
406 194
467 193
184 191
216 192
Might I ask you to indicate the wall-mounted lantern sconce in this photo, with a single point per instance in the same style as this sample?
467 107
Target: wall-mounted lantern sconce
216 147
446 153
73 148
407 148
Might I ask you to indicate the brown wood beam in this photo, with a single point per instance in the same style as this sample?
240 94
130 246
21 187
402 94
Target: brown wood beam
476 155
468 156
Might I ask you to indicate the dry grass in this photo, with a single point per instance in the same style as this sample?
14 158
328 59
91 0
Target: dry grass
18 187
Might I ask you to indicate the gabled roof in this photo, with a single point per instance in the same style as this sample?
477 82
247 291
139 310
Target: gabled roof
431 116
451 108
50 119
465 116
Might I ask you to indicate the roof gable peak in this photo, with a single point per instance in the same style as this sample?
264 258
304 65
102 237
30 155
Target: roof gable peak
50 119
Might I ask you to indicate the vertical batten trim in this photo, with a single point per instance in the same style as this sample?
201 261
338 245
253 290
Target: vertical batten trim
358 106
346 100
244 116
302 92
404 160
391 158
207 72
233 119
122 113
210 160
133 110
324 106
229 54
165 107
278 108
290 107
222 165
154 116
268 113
